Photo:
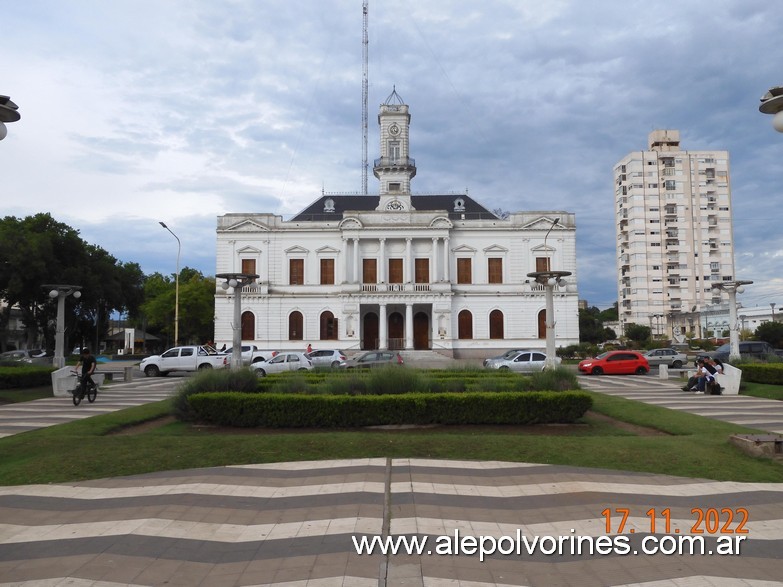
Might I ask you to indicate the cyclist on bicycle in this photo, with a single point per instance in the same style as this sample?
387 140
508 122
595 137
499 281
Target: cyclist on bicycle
88 365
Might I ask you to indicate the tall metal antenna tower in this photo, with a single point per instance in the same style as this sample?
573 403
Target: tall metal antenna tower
365 92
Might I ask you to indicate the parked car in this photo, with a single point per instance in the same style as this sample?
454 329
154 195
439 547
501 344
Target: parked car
251 354
504 356
32 356
616 363
326 357
373 359
669 357
749 349
183 358
522 361
282 362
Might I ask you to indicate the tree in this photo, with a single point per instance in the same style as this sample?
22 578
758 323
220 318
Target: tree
638 333
591 327
196 305
771 332
38 250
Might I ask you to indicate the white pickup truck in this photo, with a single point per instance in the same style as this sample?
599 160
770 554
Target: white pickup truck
183 358
251 354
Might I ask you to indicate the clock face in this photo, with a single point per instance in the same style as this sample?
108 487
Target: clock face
394 130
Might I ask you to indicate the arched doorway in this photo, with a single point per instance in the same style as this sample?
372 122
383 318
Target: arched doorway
421 331
542 324
465 325
328 329
496 324
370 331
396 325
248 326
295 326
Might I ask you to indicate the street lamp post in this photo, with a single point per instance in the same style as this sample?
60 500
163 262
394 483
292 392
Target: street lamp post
772 103
237 281
772 305
176 287
549 279
8 113
61 292
733 288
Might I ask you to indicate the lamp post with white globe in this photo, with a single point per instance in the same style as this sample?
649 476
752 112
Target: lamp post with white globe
61 292
237 281
733 288
772 103
550 279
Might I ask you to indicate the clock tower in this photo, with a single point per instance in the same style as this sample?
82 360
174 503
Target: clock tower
395 168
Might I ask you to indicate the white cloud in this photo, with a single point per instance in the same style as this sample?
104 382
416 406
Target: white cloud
140 111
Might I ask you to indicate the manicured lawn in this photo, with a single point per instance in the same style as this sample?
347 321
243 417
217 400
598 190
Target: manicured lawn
762 390
692 446
12 396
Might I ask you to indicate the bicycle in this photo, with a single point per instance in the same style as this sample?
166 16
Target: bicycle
91 391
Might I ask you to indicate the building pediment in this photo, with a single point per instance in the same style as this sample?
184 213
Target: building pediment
543 223
246 226
248 250
495 249
543 249
296 250
351 224
327 250
463 249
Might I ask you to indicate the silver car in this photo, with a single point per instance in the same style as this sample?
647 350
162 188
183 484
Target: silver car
283 362
670 357
326 357
521 361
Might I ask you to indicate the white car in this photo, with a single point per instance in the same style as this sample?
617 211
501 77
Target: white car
523 361
283 362
327 357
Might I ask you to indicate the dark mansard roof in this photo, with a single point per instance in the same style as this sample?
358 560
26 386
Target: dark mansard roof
456 206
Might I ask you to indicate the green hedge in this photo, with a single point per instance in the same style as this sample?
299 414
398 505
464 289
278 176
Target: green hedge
348 411
28 376
771 373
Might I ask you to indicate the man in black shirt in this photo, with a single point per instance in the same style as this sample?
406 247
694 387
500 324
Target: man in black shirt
88 364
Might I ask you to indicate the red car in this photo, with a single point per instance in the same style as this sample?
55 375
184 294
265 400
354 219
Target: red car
616 363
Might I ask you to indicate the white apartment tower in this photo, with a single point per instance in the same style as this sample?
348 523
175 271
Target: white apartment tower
674 233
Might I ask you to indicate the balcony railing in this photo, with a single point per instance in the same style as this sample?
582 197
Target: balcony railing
395 162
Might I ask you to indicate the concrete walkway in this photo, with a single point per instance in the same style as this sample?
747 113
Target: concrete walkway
298 524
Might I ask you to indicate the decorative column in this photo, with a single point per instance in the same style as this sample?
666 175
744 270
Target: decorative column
383 336
446 261
356 260
345 260
408 326
408 260
382 262
434 278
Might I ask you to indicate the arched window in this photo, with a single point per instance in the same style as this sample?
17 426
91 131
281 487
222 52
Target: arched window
295 326
465 325
248 326
542 324
328 328
496 324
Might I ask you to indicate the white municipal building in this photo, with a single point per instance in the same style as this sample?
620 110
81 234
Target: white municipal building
395 270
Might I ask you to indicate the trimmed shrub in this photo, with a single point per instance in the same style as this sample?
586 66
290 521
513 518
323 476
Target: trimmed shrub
771 373
213 380
14 377
343 411
560 379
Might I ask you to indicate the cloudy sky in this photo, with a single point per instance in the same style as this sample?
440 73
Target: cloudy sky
136 111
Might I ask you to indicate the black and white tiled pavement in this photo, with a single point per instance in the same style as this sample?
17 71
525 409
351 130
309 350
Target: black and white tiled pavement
294 524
